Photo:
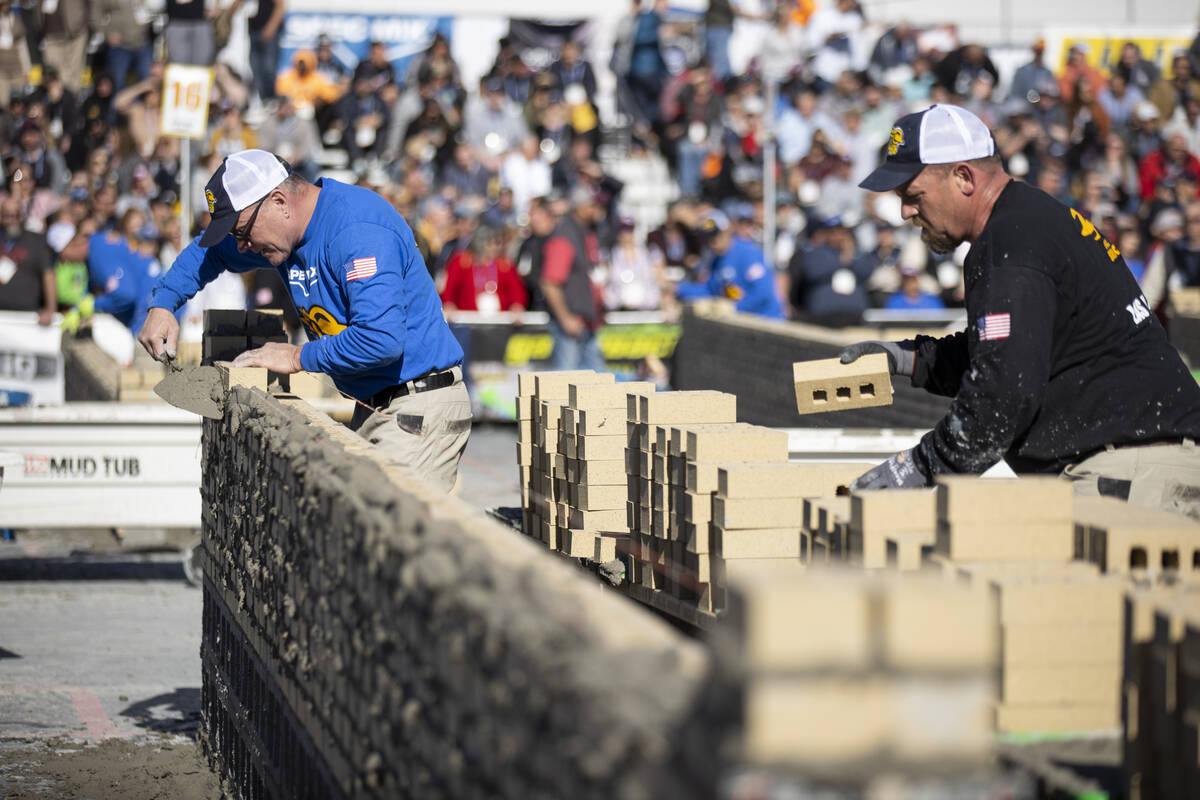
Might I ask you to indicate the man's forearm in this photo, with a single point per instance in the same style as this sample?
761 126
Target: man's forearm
555 300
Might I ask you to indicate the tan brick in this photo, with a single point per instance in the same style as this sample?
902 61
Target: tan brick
905 551
1121 538
792 479
592 395
702 477
601 448
676 435
827 722
696 538
1077 684
685 408
875 514
607 520
697 507
732 513
550 413
658 469
992 501
829 385
577 543
931 624
750 443
600 498
1020 541
525 407
831 512
250 377
1061 643
772 612
556 385
606 546
309 385
637 462
602 422
1055 718
760 543
963 708
1030 598
524 454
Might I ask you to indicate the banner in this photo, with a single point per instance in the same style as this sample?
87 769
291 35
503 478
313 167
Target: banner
635 345
31 360
403 35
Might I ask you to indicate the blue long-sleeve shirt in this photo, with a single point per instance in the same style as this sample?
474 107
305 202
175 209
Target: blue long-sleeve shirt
360 287
120 278
742 274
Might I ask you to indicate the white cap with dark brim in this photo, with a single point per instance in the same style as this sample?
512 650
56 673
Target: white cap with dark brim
941 134
241 181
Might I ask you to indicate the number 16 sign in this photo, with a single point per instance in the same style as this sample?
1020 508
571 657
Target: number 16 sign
185 100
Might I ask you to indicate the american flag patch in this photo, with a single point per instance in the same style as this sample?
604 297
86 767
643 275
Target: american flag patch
993 326
360 268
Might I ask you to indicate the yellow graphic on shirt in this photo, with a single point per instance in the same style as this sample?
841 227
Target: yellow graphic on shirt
896 141
1088 231
319 322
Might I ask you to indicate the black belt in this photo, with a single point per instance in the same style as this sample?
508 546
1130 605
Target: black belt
425 383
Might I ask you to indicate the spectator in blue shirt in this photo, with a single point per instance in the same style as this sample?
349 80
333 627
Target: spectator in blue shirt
911 297
362 292
738 271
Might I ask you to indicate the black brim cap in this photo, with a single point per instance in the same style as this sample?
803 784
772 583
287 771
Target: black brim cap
941 134
242 179
890 174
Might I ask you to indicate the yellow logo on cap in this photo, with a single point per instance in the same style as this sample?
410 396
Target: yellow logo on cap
212 201
897 140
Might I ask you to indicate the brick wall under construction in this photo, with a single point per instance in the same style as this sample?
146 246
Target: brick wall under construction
365 637
752 358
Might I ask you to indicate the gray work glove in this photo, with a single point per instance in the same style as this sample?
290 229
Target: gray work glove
898 472
901 355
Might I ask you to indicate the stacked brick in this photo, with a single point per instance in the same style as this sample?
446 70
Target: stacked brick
592 437
367 637
652 555
852 677
540 399
230 332
1161 692
891 528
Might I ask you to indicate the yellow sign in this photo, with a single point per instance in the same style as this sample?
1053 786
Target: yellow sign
1105 51
185 100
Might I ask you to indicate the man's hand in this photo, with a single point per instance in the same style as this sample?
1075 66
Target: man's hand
898 472
276 356
572 324
901 355
45 316
159 334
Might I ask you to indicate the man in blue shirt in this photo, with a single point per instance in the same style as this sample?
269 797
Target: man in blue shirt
738 271
362 291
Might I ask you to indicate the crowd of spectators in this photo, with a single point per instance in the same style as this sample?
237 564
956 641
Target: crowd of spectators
503 183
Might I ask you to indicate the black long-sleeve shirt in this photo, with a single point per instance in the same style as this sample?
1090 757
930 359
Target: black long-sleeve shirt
1061 355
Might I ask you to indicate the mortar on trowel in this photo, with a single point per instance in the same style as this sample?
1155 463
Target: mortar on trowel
200 390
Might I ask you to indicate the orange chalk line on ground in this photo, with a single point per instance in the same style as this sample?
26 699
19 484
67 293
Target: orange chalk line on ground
94 717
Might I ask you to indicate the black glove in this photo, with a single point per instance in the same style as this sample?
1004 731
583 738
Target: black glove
898 472
901 356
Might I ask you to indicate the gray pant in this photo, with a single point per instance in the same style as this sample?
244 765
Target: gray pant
1162 476
190 42
426 432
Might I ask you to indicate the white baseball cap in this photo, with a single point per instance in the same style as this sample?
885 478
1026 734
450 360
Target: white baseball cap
941 134
241 181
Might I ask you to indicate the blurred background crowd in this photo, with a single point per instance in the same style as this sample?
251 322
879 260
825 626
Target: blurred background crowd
518 186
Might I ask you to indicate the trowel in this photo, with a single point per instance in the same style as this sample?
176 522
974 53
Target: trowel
200 390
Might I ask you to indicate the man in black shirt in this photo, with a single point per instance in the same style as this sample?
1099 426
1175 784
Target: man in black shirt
1062 368
26 266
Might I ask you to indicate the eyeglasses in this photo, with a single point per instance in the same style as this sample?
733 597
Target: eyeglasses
243 235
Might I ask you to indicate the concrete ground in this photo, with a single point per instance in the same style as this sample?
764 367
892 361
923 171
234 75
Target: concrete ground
100 655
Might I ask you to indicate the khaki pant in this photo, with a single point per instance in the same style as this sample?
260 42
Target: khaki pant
426 432
68 56
1162 476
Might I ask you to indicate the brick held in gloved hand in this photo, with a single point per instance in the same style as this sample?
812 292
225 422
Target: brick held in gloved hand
830 385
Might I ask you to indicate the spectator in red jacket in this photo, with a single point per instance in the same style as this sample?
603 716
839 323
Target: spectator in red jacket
480 278
1172 160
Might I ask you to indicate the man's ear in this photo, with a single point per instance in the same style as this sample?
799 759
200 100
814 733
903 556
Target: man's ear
964 179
